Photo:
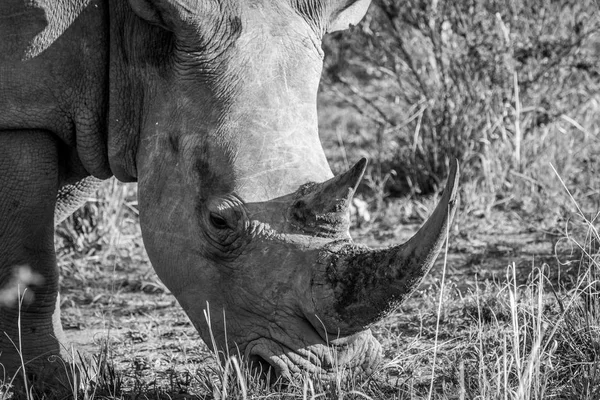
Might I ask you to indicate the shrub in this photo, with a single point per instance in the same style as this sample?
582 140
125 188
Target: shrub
471 80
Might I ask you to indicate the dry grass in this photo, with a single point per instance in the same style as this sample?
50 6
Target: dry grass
510 335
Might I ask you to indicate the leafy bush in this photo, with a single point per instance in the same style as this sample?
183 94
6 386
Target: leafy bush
470 80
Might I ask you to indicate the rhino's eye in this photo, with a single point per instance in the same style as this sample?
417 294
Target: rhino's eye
217 221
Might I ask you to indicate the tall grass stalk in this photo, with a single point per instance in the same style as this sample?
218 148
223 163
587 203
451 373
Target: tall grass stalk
439 308
226 364
20 348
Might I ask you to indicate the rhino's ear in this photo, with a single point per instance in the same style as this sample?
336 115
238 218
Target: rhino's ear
349 15
167 14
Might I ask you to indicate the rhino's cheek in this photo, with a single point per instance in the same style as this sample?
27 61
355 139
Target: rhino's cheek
206 314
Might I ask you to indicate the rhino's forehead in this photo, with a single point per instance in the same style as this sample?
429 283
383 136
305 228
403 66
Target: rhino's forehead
241 113
315 12
224 13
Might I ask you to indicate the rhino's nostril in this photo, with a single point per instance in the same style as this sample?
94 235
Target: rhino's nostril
263 369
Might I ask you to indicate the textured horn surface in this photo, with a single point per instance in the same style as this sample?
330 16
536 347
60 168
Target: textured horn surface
324 209
367 284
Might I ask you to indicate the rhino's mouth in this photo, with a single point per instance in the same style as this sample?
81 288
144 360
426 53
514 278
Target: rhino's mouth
358 354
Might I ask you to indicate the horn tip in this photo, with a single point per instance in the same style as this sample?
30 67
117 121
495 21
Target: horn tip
453 180
361 165
357 171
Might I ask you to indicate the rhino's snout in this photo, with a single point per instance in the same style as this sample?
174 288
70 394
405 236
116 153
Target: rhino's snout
351 286
355 355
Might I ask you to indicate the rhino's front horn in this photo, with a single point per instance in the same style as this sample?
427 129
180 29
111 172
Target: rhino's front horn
323 209
364 284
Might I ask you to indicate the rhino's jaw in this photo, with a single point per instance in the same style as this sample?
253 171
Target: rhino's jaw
356 355
281 340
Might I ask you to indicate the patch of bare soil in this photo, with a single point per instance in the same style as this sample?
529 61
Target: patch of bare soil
118 310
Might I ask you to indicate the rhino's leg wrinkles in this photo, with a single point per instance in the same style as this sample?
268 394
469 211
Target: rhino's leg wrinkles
29 179
71 197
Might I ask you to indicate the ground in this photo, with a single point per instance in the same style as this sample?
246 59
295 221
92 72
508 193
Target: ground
115 309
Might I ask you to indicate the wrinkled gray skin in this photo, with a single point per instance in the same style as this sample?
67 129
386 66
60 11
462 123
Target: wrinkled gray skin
211 107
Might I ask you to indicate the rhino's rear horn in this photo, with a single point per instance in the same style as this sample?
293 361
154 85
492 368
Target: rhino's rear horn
341 187
324 209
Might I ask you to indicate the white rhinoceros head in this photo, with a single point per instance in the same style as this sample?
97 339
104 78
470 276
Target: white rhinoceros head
239 208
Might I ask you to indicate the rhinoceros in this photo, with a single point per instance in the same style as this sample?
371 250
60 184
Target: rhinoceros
210 105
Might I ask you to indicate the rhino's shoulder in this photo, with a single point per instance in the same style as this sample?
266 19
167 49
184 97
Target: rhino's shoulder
28 28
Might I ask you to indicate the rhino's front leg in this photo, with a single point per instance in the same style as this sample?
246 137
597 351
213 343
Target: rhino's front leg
30 328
